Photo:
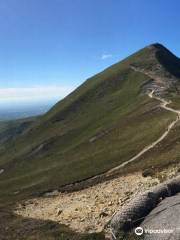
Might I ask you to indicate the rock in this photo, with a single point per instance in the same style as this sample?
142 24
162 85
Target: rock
53 193
59 211
165 217
103 213
101 201
126 198
128 193
110 203
148 172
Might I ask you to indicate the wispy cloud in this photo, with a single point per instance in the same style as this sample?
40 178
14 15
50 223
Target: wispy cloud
34 93
105 56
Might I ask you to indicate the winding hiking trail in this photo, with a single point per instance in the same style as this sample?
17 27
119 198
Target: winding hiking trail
163 105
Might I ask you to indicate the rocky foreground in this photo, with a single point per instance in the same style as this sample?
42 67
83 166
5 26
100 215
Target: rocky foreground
90 210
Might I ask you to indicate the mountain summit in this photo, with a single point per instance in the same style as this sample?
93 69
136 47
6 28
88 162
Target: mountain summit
103 123
162 66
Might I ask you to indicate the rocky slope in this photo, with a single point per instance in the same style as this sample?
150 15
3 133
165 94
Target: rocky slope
90 210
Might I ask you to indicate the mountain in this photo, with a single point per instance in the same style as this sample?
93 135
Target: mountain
106 121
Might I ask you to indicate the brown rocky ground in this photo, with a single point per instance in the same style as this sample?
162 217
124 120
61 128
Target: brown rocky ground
90 210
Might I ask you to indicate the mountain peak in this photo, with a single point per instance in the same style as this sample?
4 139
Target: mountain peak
158 46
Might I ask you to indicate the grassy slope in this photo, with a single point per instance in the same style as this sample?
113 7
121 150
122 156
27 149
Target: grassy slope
57 150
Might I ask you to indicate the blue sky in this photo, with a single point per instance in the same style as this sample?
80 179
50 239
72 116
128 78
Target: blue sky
48 47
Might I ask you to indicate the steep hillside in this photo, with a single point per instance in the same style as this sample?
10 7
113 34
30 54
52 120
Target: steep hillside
105 122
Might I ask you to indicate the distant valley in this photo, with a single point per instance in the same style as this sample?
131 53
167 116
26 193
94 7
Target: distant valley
17 112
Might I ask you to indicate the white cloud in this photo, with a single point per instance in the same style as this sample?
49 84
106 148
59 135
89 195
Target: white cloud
34 93
105 56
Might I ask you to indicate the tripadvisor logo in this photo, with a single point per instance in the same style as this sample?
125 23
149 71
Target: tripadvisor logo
139 231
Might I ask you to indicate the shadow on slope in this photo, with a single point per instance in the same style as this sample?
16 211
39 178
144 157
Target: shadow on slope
13 227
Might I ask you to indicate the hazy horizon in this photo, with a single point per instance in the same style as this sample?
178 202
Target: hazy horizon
23 110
